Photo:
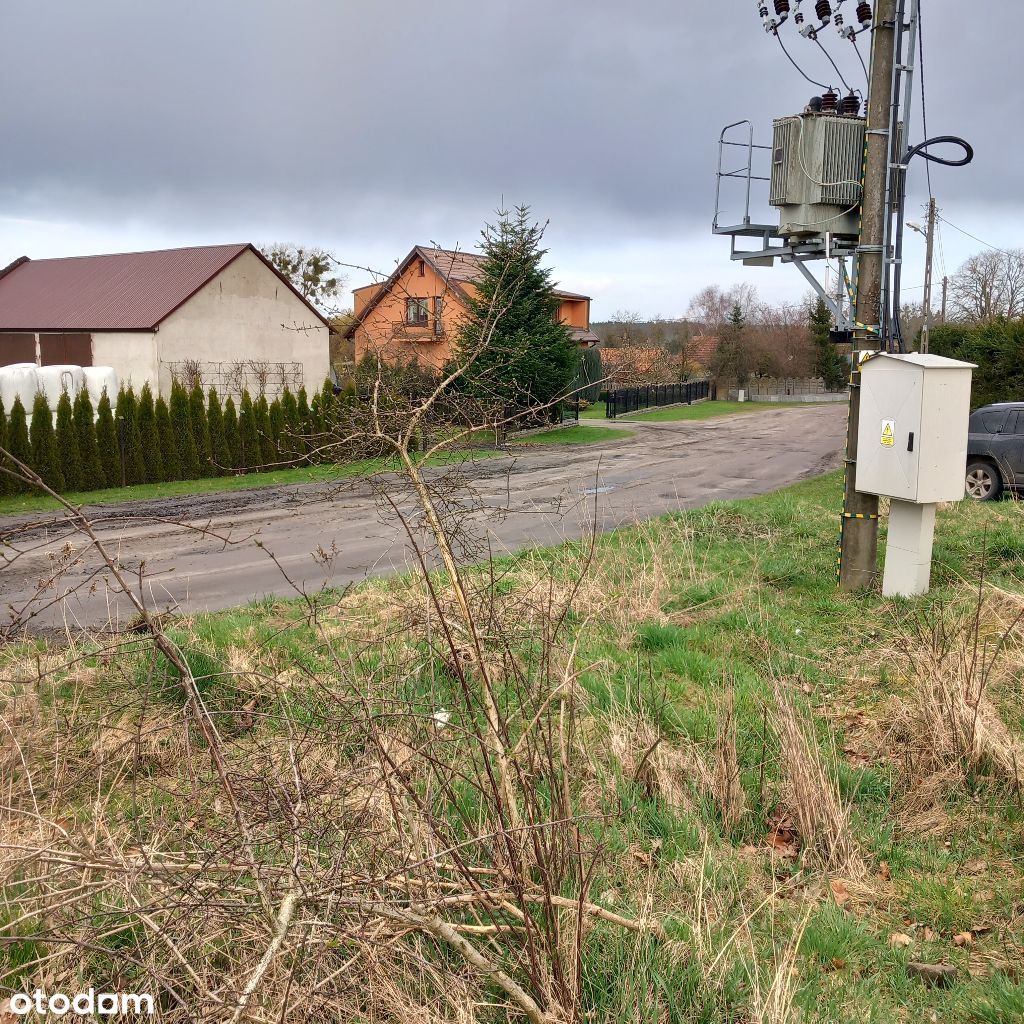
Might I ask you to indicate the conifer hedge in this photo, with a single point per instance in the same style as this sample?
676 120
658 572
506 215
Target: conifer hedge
140 438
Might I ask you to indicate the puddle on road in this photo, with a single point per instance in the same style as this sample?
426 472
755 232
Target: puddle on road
599 490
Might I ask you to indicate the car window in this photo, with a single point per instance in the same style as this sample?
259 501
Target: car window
993 421
1016 425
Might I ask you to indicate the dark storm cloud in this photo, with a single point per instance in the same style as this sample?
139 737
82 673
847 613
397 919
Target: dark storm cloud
410 119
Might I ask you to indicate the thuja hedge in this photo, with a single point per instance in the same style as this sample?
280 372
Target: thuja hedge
138 438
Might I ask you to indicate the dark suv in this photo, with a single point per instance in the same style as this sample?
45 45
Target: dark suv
995 451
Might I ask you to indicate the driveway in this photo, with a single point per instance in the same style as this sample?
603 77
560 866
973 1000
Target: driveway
341 534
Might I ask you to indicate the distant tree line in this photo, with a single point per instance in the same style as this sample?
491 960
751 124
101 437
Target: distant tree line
140 439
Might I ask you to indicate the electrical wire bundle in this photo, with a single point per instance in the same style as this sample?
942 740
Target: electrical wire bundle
826 14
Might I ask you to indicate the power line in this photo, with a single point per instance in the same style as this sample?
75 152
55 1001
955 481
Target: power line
975 237
860 57
797 66
846 84
924 103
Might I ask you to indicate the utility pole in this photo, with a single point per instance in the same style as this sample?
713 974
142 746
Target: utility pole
858 558
926 330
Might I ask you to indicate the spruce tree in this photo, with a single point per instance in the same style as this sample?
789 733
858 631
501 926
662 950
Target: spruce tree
149 438
17 441
523 355
303 440
232 438
218 442
277 430
126 416
317 428
66 439
734 359
828 363
248 433
107 441
268 453
184 438
290 435
45 459
200 430
93 477
328 402
168 445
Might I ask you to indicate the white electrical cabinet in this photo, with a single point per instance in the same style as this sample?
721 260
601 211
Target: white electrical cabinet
912 442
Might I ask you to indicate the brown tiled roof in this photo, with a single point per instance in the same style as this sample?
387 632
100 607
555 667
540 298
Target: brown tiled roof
703 349
468 266
131 291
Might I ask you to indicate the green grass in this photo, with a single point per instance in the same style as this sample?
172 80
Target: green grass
670 615
709 410
575 435
698 411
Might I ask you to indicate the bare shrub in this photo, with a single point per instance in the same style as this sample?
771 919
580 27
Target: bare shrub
959 663
335 819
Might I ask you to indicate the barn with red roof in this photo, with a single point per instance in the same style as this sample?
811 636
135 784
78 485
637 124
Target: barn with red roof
219 314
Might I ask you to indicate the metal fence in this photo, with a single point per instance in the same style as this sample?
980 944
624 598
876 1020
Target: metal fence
651 396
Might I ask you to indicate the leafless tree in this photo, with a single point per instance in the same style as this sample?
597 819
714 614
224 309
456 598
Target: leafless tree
711 306
989 285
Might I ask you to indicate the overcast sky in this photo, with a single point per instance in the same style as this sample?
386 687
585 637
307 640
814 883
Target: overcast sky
366 127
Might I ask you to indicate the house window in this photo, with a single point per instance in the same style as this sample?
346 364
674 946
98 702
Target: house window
438 322
417 312
423 269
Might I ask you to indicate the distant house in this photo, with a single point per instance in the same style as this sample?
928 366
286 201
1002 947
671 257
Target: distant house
415 314
703 350
220 314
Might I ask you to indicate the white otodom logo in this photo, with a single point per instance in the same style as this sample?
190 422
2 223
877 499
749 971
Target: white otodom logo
84 1004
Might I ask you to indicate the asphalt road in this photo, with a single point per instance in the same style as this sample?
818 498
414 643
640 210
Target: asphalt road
51 578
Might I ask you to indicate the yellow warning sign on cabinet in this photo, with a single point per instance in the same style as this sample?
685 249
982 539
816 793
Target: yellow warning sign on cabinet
888 433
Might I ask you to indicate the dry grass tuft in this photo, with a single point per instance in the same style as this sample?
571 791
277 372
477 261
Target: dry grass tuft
812 794
725 783
961 668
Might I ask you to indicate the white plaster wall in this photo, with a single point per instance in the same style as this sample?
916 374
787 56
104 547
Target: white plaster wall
133 354
245 312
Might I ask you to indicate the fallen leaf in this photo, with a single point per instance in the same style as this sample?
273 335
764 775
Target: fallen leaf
928 934
963 939
900 939
935 975
784 839
883 871
838 963
839 892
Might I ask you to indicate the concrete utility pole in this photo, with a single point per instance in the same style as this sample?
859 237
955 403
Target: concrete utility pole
858 558
926 330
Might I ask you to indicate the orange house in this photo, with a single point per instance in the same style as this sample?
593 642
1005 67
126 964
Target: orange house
416 313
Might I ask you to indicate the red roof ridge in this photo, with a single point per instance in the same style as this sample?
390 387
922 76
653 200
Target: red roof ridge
130 291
